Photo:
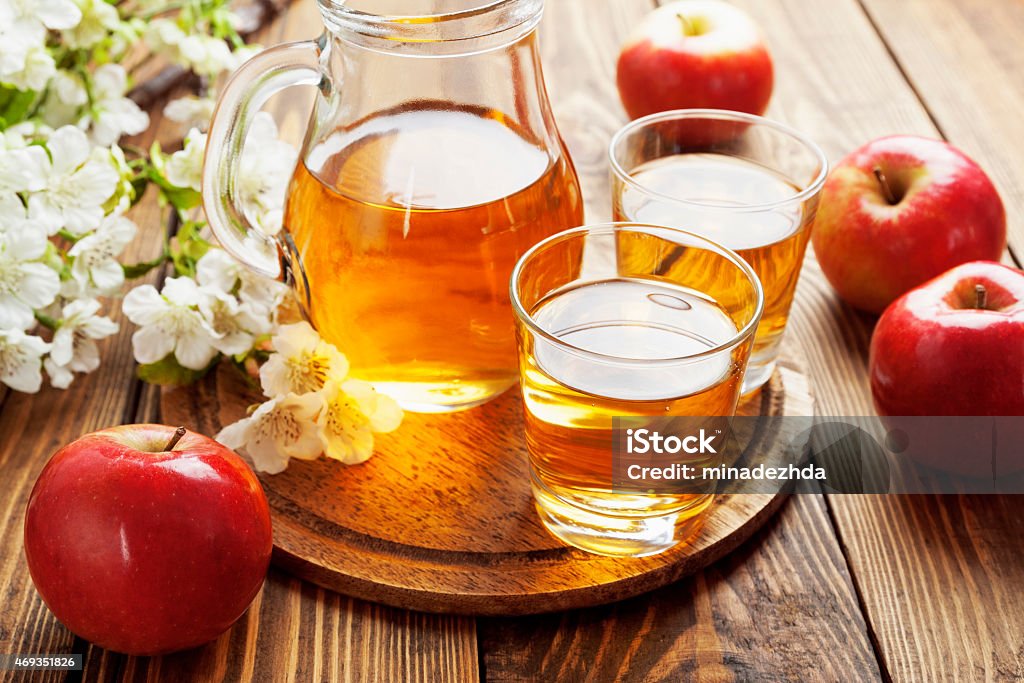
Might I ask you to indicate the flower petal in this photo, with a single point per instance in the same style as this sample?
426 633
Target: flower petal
14 314
196 351
296 338
150 344
69 149
236 434
107 276
39 284
60 376
63 345
182 291
144 305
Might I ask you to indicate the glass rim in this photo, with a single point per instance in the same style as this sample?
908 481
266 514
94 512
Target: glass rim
485 6
723 115
511 15
527 319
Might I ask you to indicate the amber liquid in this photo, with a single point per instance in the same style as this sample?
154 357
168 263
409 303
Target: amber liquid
407 227
773 241
571 402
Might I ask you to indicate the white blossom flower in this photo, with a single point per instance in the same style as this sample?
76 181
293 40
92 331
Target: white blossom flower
170 322
236 324
164 36
20 360
65 98
264 170
37 15
22 167
74 346
185 167
23 25
99 18
282 428
353 412
37 68
25 284
191 111
95 267
206 55
16 44
219 270
14 216
113 114
78 182
69 87
303 362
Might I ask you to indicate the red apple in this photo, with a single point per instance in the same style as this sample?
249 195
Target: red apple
899 211
955 347
145 550
695 54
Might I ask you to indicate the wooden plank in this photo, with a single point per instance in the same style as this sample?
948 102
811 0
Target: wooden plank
931 572
784 604
779 608
295 631
964 59
934 571
298 632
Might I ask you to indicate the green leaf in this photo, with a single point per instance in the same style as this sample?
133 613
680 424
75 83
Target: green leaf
181 198
15 105
189 247
168 372
135 270
139 185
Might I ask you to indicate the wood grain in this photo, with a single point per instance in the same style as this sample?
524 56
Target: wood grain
931 571
296 631
779 609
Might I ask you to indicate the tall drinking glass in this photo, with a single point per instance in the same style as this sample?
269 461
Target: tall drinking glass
743 181
630 321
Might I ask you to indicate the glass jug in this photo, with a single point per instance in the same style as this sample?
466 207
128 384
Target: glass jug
431 163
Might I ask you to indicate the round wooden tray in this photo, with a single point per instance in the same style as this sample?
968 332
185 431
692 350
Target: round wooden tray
441 518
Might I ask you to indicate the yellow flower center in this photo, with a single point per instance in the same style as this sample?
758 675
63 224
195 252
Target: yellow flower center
344 417
280 426
308 372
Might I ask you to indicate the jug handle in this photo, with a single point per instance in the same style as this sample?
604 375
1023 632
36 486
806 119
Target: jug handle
246 92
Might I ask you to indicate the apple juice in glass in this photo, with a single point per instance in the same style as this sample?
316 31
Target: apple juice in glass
748 183
625 321
431 164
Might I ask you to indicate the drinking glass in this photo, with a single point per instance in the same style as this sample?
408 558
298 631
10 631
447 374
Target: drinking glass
624 321
748 183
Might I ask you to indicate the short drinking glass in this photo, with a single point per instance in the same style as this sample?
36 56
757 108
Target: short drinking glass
629 321
745 182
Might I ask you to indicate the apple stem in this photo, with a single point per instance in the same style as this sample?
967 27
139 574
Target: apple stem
688 27
175 438
886 190
981 296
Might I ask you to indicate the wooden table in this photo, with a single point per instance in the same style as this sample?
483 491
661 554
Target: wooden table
835 588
